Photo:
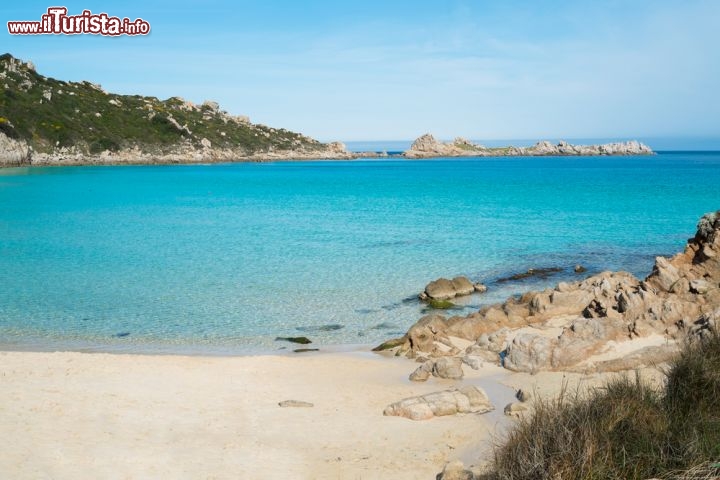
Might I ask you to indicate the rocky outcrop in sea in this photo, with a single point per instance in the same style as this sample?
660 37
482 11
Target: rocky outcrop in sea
427 146
608 322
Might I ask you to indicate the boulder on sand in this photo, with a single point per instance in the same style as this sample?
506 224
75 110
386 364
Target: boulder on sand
468 399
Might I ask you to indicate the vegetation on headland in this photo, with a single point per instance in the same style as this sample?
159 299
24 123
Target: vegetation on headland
627 429
51 114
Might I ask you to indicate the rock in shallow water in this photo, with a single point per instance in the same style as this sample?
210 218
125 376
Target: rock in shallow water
444 289
480 287
300 340
440 304
533 272
321 328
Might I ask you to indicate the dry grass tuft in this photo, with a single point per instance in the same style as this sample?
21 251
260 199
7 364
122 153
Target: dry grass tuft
626 429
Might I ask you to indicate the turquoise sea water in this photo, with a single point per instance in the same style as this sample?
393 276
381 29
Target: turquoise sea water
224 258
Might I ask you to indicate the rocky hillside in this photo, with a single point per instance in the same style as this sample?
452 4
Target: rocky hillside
49 121
427 146
607 322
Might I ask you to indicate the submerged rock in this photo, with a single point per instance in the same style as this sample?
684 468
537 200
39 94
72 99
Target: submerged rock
533 272
320 328
440 304
300 340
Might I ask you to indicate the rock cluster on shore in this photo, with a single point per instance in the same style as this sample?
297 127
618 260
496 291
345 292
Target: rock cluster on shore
427 146
608 322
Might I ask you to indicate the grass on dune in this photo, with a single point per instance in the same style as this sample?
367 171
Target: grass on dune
626 429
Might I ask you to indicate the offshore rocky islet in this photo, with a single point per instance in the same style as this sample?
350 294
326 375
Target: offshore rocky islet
44 121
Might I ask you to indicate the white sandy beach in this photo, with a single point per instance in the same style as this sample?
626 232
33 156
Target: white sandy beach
92 415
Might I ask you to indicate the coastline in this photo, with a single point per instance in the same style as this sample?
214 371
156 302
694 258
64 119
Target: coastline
150 160
18 153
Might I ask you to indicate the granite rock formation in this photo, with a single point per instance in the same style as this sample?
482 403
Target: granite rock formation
468 399
607 322
444 289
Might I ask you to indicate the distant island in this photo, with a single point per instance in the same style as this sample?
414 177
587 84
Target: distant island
428 147
44 121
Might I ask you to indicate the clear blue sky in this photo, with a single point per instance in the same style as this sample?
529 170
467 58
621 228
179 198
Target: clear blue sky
361 70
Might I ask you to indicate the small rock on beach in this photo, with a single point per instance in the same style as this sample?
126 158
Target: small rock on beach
295 404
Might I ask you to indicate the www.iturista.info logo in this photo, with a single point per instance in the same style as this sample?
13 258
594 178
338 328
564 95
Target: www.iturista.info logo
57 22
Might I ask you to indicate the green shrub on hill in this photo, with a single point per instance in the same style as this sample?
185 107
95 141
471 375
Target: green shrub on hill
49 114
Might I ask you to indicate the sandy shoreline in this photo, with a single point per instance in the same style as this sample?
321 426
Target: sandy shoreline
97 415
